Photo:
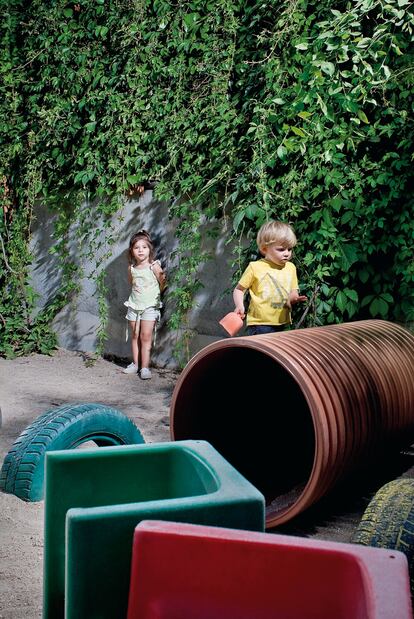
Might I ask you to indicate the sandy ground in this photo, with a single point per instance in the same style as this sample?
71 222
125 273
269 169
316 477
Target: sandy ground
28 387
32 385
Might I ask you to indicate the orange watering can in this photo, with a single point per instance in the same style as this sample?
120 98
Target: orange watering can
232 323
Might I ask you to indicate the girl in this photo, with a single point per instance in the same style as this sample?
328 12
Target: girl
147 281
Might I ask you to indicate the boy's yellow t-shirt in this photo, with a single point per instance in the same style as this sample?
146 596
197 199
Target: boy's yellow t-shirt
269 286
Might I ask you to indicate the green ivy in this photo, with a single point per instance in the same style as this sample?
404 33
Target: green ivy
296 109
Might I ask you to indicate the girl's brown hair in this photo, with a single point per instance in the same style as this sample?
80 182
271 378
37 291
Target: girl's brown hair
141 235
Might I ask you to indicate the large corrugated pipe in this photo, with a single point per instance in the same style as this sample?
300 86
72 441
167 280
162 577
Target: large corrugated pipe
295 412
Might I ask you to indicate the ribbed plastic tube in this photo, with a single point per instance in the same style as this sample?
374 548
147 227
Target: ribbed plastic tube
296 412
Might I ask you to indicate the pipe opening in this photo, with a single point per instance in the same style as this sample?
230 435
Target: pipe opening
254 413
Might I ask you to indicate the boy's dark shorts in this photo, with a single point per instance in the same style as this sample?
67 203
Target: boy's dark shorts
263 329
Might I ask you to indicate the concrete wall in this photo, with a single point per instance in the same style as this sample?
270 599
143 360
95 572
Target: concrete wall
77 324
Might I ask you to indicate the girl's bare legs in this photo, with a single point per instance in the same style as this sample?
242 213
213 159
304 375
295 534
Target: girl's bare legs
145 341
134 340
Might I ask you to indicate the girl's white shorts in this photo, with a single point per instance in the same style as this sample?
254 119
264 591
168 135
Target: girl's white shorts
150 313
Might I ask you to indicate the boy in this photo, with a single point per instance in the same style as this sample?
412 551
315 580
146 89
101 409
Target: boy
271 281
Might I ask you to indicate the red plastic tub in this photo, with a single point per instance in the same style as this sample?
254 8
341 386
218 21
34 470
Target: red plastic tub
186 571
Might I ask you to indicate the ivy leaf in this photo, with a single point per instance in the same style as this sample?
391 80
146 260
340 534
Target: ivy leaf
304 115
351 294
322 105
238 218
341 300
387 71
351 308
347 216
251 211
281 152
379 307
363 275
328 67
298 131
362 116
133 179
349 255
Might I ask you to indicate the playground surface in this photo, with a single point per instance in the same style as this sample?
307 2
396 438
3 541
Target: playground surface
31 385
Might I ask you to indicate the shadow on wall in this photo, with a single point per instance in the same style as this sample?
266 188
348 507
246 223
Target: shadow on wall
45 273
74 326
78 323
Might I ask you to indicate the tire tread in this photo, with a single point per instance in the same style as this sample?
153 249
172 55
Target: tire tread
27 453
388 521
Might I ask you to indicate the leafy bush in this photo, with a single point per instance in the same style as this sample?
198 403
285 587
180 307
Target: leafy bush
295 109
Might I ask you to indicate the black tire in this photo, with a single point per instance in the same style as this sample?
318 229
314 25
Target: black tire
64 427
388 521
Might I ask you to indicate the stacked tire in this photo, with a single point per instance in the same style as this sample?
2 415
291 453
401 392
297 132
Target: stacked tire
64 427
388 521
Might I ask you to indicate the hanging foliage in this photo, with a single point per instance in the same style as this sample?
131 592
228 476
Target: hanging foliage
296 109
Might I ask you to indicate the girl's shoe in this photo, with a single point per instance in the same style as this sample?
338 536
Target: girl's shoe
131 369
145 373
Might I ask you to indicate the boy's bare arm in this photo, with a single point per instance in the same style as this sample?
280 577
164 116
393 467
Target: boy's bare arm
238 296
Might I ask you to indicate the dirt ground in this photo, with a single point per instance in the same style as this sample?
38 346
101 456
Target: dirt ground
28 387
32 385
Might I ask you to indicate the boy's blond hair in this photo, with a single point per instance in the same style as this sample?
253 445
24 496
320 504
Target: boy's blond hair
275 232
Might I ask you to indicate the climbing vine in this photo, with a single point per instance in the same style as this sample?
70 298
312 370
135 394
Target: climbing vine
331 152
296 109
